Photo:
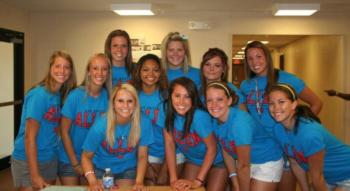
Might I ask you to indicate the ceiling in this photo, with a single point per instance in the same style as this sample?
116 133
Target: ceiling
200 8
171 7
274 41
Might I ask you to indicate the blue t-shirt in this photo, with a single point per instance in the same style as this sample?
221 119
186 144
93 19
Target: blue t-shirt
120 157
192 146
44 107
241 129
256 100
193 74
310 138
81 109
232 87
151 105
120 75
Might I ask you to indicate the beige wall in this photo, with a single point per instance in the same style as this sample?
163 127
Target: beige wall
18 20
83 33
318 60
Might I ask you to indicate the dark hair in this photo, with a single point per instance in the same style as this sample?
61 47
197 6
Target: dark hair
272 73
211 53
196 104
301 111
228 92
163 80
128 60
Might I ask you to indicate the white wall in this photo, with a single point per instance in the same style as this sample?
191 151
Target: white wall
83 33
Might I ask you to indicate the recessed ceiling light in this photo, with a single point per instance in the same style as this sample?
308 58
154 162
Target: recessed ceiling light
129 9
282 9
262 41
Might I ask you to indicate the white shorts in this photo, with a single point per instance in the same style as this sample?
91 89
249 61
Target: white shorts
155 160
267 172
180 159
345 185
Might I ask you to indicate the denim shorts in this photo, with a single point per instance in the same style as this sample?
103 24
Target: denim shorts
127 174
66 170
21 174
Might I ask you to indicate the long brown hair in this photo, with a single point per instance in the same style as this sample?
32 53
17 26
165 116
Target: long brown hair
128 60
301 111
68 85
272 73
211 53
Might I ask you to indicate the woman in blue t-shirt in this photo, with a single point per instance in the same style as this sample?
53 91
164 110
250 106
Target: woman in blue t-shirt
151 82
214 68
176 58
261 74
80 110
191 130
118 140
234 130
34 159
307 142
118 50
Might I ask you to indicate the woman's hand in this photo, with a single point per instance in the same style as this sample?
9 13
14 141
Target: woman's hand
38 182
78 169
139 187
181 185
95 186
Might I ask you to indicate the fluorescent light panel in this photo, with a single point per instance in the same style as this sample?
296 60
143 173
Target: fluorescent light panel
262 41
132 9
296 9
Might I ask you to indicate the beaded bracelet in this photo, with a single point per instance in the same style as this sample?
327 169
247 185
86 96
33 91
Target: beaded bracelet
232 174
89 172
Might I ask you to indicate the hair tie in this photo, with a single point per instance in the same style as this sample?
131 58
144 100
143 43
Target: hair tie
221 85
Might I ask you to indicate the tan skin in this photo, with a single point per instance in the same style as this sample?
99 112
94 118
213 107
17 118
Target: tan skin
257 64
194 175
60 72
122 101
218 104
156 174
98 68
279 102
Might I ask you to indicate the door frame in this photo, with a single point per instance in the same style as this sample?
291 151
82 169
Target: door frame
17 38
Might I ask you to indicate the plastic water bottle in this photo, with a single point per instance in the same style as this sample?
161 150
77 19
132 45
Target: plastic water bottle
108 179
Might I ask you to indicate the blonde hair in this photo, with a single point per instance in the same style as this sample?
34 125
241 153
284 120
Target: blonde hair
68 85
176 36
87 81
135 130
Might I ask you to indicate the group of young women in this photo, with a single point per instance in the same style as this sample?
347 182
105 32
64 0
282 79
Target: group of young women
164 122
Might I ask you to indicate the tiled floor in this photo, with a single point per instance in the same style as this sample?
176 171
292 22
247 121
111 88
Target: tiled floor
6 183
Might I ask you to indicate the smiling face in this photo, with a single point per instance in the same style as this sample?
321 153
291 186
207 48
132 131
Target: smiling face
281 108
257 61
98 71
218 103
213 69
150 73
124 105
181 100
175 53
119 50
60 71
